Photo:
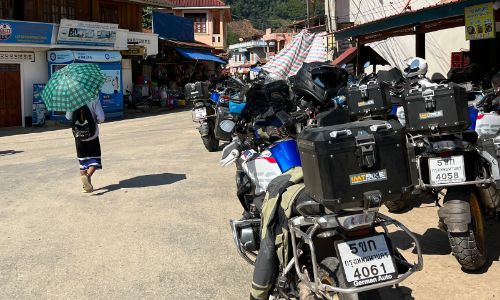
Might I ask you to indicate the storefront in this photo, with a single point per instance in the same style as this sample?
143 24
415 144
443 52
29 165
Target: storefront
137 59
23 63
111 95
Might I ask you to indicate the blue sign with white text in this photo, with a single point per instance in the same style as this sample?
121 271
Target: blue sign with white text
25 32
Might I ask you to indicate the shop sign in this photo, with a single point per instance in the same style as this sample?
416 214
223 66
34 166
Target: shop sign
17 56
134 51
25 32
39 108
148 41
67 56
460 60
480 22
74 32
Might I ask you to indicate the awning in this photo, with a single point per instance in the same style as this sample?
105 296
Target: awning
367 54
199 55
346 57
428 14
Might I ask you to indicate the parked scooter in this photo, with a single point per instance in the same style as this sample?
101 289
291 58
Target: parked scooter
203 113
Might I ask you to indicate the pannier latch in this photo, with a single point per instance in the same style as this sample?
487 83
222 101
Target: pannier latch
365 150
363 89
430 102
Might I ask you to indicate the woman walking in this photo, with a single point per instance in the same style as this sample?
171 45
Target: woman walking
75 89
86 132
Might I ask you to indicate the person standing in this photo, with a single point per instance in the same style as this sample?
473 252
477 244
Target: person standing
84 124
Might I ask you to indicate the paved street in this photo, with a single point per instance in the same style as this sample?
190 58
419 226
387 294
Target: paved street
157 225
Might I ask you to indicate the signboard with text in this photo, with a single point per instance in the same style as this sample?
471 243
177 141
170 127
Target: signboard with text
480 22
25 32
74 32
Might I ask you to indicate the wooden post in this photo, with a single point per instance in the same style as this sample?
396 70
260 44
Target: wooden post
420 44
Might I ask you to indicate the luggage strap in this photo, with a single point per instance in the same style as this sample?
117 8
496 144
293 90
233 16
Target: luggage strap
366 150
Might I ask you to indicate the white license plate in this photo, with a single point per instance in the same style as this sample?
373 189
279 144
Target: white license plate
200 113
445 170
367 261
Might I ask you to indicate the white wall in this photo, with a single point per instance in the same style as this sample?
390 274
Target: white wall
127 75
31 73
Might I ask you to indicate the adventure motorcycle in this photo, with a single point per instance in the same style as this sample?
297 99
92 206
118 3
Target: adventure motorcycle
451 160
203 113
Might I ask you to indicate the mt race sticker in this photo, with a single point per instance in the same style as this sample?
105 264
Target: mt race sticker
431 115
363 178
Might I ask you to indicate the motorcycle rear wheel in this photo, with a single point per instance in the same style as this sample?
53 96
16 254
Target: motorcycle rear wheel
330 273
469 248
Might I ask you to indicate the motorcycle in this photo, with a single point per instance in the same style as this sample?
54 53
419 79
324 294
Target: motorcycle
144 103
203 113
449 161
229 101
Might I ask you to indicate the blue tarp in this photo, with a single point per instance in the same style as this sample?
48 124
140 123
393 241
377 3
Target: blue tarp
200 55
173 28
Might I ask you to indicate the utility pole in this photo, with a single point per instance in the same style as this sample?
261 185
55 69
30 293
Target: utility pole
307 5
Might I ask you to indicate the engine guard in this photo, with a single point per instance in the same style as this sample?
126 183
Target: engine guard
237 228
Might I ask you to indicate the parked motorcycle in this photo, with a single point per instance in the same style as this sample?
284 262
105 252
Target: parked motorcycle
142 103
450 161
203 113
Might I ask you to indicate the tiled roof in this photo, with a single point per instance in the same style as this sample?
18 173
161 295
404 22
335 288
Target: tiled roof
196 3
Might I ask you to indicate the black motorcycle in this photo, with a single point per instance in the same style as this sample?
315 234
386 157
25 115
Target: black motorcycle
203 112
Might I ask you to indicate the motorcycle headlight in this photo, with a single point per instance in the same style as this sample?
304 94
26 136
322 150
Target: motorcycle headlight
227 125
357 221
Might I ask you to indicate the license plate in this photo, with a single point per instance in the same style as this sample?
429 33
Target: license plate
366 261
445 170
200 113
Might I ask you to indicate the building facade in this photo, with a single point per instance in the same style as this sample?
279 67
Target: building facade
247 54
39 36
210 18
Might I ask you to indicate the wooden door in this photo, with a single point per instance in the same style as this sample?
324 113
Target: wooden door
10 96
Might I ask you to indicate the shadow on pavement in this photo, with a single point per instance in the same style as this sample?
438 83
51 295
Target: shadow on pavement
432 242
9 152
435 242
142 181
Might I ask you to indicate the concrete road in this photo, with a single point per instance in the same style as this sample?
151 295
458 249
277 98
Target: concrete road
157 225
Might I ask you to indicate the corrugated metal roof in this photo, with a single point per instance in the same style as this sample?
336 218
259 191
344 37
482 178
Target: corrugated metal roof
196 3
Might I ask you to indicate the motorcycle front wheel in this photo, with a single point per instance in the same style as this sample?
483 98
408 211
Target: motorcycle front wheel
469 248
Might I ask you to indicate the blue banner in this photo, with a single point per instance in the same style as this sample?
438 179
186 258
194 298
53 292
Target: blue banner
172 27
25 32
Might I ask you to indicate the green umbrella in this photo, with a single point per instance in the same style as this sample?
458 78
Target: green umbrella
73 87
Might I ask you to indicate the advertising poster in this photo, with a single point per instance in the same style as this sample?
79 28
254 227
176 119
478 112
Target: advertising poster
75 32
480 22
39 108
25 32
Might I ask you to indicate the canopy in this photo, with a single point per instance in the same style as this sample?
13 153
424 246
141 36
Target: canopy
367 54
305 47
411 18
199 55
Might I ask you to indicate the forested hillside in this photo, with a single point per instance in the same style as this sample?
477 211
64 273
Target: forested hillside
273 13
